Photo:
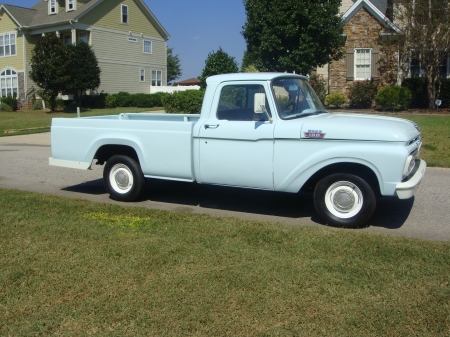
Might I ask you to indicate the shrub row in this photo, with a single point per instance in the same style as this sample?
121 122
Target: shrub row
189 101
362 94
419 92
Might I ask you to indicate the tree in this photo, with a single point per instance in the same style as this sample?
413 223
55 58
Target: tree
173 66
218 63
425 25
82 69
293 35
48 67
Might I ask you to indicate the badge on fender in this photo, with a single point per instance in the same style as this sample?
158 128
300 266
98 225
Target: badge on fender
314 134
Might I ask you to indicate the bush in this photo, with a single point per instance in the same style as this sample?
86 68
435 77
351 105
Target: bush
59 103
110 101
362 94
158 97
5 107
444 93
336 98
123 99
189 101
10 101
419 93
37 104
319 85
395 97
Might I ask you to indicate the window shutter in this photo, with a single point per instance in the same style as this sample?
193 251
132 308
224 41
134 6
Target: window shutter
374 66
350 61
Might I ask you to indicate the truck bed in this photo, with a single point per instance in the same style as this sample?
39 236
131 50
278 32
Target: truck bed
162 142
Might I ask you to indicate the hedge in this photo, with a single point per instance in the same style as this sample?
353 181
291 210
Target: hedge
189 101
419 92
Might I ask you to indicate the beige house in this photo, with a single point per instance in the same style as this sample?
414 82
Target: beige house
128 40
369 25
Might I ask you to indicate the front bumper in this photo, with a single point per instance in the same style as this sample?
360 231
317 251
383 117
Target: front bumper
407 189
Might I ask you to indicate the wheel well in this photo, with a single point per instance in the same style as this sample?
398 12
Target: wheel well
347 168
107 151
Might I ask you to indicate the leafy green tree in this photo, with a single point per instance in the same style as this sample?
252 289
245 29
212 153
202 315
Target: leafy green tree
82 69
173 66
216 63
425 39
293 35
48 67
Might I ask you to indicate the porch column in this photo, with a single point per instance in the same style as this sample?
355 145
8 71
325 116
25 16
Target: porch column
74 36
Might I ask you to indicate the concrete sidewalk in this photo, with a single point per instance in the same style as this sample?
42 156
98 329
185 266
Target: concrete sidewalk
42 139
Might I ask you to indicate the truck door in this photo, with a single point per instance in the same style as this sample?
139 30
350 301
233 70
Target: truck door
236 149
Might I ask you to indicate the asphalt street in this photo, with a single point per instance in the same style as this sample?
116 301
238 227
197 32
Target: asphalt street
24 166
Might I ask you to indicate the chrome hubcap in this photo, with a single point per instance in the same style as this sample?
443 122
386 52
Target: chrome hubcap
344 199
121 178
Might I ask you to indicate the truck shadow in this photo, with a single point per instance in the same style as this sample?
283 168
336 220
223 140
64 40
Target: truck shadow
390 213
231 199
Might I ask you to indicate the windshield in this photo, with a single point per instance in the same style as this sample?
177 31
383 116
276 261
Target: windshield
295 98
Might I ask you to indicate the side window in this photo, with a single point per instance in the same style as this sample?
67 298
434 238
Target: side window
236 102
124 16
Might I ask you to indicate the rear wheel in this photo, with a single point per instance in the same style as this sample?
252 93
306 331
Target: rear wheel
344 200
123 178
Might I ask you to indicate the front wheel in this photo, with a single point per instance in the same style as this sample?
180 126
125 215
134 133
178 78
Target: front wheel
123 178
344 200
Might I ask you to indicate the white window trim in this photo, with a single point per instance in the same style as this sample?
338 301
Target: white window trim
74 4
50 7
15 43
156 79
151 47
370 65
121 14
11 77
142 72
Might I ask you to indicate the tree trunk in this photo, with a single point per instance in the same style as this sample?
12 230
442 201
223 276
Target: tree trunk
431 87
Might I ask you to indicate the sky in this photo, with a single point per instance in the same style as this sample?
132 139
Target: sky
196 27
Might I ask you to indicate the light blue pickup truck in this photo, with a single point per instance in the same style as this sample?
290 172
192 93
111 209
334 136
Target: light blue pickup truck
265 131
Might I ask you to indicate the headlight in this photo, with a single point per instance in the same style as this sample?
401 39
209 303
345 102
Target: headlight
411 161
409 165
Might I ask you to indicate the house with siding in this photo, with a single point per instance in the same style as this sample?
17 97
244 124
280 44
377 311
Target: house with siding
368 27
128 40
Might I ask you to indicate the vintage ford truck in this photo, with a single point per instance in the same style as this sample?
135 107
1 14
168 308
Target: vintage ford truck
265 131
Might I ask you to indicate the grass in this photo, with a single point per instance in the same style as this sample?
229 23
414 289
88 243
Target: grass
435 137
71 267
41 119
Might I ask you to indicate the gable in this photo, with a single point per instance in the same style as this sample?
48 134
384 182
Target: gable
373 10
6 22
108 15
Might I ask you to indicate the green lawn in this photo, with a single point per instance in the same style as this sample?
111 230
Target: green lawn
436 138
40 119
77 268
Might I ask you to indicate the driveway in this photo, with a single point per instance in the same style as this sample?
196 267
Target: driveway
24 166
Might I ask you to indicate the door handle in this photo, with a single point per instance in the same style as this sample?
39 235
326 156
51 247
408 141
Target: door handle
211 126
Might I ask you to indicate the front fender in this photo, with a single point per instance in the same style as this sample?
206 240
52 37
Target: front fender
386 161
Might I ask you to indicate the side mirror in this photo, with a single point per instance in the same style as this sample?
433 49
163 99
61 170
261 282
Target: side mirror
259 103
259 107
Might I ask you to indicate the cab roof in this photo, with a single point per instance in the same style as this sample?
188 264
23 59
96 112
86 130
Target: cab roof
250 77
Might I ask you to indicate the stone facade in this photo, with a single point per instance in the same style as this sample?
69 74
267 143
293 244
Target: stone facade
21 88
362 31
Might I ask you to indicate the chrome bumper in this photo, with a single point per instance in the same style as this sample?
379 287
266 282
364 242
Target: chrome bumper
407 189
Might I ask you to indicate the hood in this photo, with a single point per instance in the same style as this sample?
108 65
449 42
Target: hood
359 127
